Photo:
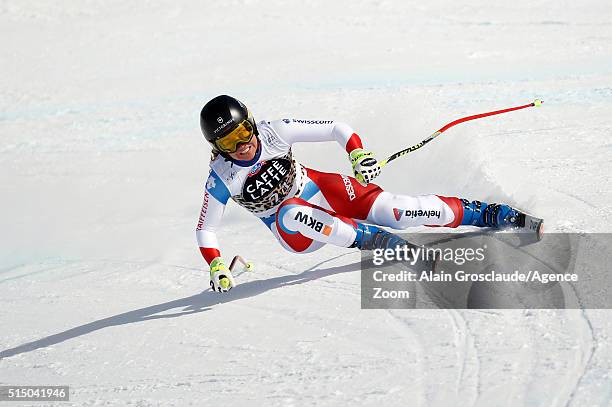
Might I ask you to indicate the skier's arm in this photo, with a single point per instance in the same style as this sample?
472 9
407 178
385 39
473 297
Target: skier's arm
216 195
296 131
211 214
365 166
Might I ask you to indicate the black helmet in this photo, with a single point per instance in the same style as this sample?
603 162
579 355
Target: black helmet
221 116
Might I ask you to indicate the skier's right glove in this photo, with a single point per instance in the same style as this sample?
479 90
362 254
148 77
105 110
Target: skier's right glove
365 166
221 278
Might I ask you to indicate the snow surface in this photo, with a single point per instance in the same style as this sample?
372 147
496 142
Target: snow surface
102 166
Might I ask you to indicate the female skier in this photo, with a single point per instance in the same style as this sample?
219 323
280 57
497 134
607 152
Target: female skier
305 209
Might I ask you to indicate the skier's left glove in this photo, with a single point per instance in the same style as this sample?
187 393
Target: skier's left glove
365 166
221 278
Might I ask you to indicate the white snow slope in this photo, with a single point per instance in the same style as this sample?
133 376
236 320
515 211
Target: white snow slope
102 165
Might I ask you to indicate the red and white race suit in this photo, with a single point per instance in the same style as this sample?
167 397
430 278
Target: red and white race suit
305 208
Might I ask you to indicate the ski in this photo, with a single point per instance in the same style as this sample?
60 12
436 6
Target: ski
528 228
531 224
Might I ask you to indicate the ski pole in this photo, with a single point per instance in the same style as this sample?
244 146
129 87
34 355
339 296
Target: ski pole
246 266
415 147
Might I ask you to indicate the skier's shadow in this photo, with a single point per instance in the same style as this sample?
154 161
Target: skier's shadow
190 305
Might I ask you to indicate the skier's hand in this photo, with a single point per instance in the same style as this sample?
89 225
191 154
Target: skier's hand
365 166
221 278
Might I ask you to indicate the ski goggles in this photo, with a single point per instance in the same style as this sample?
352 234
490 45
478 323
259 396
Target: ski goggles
241 134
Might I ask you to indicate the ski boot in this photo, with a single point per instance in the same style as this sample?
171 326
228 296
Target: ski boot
371 237
500 216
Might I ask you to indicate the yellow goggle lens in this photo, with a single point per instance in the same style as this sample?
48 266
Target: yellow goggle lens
241 134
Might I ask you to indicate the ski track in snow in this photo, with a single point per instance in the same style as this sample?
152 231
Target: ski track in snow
584 356
101 284
464 341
